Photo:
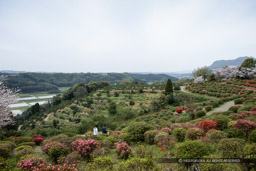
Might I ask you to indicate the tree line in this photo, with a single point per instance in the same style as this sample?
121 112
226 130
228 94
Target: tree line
49 82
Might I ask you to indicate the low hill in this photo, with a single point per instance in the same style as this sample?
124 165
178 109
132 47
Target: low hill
49 82
221 63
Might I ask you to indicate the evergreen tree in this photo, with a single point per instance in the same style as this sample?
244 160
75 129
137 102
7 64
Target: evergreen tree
248 63
168 87
112 108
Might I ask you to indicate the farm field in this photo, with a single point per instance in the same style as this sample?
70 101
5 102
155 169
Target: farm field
27 100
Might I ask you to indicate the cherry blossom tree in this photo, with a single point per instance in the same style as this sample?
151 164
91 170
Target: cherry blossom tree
7 97
199 80
247 73
229 72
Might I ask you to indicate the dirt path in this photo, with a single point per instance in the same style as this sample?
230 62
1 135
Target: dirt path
38 149
46 119
183 89
19 127
222 108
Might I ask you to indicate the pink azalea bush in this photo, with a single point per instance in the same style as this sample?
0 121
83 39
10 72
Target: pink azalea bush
123 150
38 140
176 125
85 147
50 167
38 164
31 164
166 129
245 125
116 132
55 150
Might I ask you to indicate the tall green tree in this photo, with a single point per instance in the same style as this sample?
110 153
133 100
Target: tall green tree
204 72
248 63
168 87
169 91
112 108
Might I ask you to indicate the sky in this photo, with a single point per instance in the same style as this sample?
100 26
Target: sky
124 36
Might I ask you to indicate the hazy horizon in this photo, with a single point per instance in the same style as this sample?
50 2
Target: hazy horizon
124 36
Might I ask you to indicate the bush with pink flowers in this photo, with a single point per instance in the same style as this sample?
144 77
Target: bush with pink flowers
116 132
245 125
38 140
36 164
85 147
55 150
166 129
31 164
123 150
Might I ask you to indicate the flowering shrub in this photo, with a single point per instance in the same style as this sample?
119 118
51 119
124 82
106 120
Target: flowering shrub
165 143
85 147
38 140
245 125
116 132
176 125
31 164
176 116
194 133
63 167
166 129
36 164
207 125
55 150
123 150
179 110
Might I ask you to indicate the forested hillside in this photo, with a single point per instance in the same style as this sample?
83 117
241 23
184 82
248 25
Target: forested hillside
49 82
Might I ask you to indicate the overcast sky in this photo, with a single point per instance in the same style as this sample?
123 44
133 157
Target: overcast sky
124 35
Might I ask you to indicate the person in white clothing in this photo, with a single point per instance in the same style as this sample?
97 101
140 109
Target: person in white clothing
95 130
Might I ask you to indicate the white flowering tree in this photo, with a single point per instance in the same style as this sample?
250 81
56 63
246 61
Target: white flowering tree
247 73
229 72
7 97
199 79
226 72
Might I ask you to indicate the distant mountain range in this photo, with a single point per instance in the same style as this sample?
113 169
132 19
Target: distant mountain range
234 62
11 71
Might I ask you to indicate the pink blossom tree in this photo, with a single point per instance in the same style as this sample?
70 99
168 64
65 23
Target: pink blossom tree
7 97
